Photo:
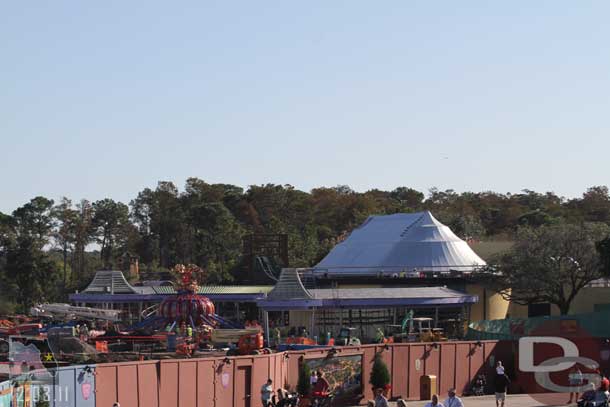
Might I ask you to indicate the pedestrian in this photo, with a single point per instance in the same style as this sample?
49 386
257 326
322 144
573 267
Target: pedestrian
452 399
434 402
267 393
313 378
381 399
321 387
84 332
575 380
605 383
501 383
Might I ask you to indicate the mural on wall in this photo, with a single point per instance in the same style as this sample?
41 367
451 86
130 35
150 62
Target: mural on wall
343 373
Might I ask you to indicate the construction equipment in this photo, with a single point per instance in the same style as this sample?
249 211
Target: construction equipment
420 329
346 337
425 331
247 344
7 331
231 335
416 330
381 337
249 341
65 311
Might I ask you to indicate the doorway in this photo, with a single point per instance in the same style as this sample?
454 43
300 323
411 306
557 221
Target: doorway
243 386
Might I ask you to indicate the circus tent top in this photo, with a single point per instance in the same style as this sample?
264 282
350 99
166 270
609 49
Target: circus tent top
400 243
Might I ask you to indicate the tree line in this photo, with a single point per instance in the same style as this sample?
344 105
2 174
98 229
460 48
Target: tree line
48 248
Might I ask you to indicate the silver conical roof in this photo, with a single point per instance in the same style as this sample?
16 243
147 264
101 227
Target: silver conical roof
403 242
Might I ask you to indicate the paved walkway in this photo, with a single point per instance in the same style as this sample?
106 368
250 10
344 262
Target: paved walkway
512 400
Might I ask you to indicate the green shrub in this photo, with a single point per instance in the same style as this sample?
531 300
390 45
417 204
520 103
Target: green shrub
380 376
304 384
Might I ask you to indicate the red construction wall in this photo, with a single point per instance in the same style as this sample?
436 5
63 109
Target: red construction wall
215 382
592 348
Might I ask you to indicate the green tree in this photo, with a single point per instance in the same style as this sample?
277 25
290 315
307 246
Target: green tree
7 241
31 272
550 264
216 236
30 275
65 232
304 383
380 375
35 220
83 235
111 225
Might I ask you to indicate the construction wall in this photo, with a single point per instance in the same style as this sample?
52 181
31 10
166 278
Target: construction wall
236 381
189 382
71 386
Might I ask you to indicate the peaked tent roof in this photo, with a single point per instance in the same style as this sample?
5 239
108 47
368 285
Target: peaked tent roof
110 281
402 242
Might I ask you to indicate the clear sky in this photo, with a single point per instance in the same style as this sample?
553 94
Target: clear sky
104 98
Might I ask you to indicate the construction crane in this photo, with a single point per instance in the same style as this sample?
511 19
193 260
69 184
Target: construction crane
66 311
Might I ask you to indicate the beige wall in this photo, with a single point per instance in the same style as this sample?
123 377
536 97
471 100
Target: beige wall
498 308
491 305
587 298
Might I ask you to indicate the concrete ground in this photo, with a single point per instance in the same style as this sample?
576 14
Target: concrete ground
512 400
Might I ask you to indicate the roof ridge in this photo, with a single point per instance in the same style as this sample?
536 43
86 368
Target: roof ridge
289 286
406 230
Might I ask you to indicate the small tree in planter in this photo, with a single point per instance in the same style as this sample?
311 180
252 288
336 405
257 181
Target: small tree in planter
304 384
380 375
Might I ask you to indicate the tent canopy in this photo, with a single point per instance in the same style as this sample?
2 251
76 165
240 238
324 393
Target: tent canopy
403 242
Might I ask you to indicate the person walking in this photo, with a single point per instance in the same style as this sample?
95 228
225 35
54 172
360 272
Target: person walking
452 399
575 380
434 402
320 389
501 383
313 378
267 393
381 399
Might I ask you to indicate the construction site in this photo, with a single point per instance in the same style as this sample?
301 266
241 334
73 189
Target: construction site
170 339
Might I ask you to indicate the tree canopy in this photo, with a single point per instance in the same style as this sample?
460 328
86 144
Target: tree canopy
550 264
63 243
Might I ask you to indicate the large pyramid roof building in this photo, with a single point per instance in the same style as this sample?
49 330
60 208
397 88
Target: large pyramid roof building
400 243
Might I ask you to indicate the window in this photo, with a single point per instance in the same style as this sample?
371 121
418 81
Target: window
539 310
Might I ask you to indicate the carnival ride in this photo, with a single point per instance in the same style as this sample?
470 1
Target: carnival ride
186 321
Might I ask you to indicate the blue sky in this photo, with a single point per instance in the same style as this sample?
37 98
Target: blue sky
103 99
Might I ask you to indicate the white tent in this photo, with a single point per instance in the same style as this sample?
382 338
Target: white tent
406 244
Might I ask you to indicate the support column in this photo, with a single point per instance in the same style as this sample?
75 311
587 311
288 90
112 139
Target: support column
436 317
266 326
